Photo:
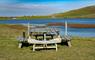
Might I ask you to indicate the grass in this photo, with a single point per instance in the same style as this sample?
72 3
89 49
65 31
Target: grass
86 12
82 48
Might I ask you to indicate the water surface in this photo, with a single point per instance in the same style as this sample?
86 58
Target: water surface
81 32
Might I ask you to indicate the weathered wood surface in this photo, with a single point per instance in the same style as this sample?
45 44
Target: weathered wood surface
44 46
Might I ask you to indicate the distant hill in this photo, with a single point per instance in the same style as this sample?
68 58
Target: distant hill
86 12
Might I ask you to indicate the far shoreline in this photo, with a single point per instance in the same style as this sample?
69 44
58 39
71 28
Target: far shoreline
62 24
45 18
73 25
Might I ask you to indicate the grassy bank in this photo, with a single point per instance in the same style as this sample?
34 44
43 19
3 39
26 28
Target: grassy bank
85 12
82 48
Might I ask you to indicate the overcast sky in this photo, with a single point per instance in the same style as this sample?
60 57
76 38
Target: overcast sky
40 7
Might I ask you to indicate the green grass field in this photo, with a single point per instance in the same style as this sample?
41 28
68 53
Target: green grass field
82 48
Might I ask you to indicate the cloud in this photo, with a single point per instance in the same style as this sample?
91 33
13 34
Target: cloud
13 8
26 9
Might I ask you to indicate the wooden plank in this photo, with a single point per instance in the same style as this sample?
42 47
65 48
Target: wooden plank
39 47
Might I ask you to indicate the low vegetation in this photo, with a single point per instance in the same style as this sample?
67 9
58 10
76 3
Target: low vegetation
82 48
25 17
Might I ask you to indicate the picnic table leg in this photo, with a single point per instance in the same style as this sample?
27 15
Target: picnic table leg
56 46
20 45
46 45
33 47
43 45
69 43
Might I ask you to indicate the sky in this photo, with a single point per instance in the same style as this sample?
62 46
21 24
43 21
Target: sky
40 7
